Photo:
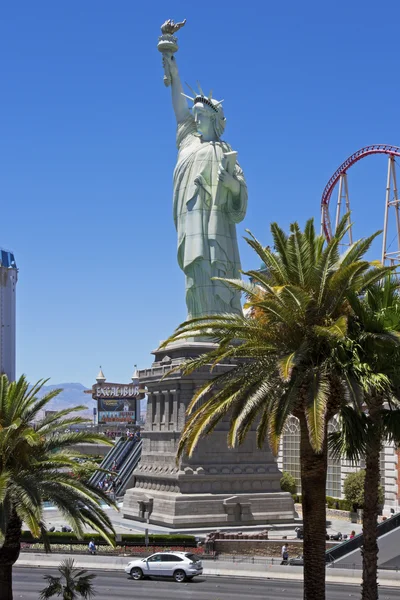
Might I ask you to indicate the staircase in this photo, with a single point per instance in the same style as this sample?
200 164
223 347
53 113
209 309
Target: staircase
349 551
126 454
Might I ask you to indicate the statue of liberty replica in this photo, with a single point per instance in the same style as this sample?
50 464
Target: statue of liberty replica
210 193
216 486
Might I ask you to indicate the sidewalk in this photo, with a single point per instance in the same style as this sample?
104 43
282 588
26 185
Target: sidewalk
276 531
220 568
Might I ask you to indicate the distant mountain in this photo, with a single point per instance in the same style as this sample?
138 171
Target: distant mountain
72 395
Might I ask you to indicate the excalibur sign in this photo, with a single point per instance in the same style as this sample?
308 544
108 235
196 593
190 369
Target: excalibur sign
210 193
116 390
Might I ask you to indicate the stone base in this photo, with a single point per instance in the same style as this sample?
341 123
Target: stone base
217 485
207 510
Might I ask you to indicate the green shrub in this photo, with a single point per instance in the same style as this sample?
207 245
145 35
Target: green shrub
288 483
335 503
353 488
60 537
332 502
344 505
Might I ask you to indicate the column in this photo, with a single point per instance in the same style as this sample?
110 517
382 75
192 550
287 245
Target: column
171 413
154 411
149 412
162 411
157 417
167 396
137 412
175 410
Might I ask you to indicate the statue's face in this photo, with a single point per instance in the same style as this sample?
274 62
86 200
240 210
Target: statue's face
202 117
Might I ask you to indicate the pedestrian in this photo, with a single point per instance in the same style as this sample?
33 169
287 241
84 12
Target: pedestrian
113 488
92 547
285 555
353 533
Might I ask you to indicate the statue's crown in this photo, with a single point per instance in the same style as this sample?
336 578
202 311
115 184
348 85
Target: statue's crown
203 99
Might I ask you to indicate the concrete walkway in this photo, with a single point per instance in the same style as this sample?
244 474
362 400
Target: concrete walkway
222 568
53 518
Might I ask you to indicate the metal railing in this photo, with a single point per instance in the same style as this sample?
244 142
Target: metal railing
355 543
354 567
115 454
128 468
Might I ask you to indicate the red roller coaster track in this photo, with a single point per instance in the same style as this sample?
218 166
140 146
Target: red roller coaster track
327 193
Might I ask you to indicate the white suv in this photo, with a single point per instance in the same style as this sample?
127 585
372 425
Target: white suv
179 565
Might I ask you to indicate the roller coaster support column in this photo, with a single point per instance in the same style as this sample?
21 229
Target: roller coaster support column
392 257
343 195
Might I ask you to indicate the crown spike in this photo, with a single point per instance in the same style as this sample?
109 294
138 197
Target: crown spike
186 96
191 89
210 95
220 102
199 86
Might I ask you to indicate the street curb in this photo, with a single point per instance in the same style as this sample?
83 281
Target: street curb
237 570
257 576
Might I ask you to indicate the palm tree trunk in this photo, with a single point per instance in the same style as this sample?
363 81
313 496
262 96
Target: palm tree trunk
313 494
371 504
9 554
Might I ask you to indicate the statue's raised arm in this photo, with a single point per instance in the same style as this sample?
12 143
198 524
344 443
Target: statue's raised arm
168 46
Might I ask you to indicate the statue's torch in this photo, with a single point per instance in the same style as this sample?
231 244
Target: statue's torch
168 45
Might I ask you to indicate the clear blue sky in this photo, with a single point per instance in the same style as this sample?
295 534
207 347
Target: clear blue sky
87 150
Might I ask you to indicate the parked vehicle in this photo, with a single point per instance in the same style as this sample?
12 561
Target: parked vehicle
179 565
297 561
300 534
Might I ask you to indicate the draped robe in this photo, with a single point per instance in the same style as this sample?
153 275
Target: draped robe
205 215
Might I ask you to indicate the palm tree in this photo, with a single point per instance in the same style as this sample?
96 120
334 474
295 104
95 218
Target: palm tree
73 583
374 329
36 459
284 361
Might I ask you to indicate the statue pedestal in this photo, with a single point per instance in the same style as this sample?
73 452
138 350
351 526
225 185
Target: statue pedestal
217 486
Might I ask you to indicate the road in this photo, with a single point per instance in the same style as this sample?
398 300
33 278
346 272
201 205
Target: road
28 582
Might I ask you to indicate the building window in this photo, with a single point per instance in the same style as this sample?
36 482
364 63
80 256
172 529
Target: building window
334 475
291 458
291 450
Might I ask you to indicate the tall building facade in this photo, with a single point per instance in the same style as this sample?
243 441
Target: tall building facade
8 284
338 469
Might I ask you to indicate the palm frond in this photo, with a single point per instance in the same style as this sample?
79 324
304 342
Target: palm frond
350 441
316 408
357 250
272 261
391 425
286 365
337 330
